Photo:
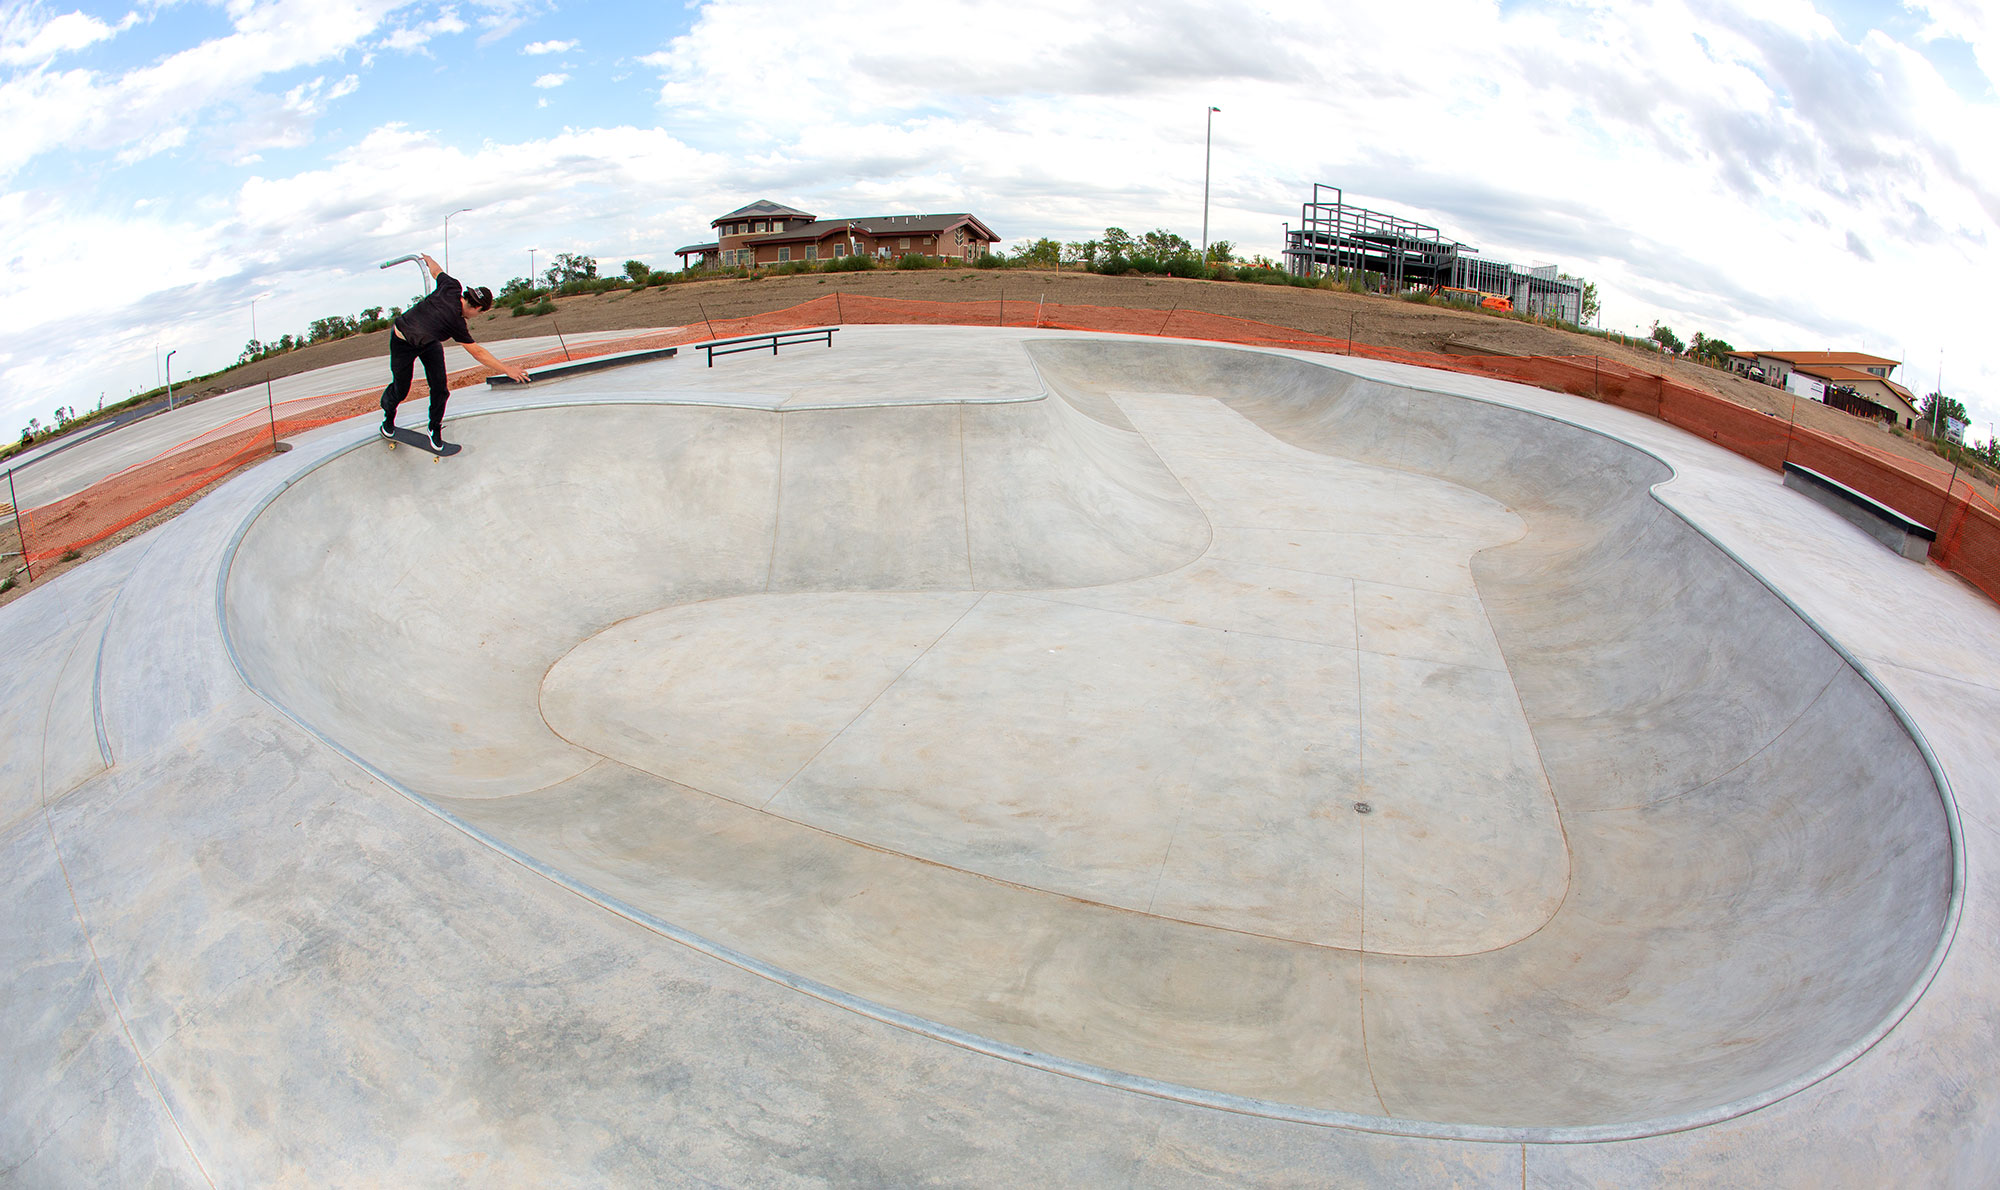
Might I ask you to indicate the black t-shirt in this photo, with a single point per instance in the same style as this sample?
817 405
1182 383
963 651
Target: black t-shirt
436 318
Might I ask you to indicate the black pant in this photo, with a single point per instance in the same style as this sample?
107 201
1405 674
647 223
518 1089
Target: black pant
402 365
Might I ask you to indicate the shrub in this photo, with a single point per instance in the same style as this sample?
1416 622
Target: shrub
988 260
916 260
851 263
6 584
1419 297
70 555
545 306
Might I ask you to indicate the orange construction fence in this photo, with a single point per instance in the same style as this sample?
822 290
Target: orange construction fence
1967 524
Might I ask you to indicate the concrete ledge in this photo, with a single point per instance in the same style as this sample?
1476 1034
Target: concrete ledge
596 363
1878 520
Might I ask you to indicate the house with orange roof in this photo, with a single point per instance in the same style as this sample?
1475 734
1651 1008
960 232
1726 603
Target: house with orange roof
765 233
1853 381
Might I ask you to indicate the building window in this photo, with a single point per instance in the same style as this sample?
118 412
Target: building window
903 243
812 251
760 227
840 249
784 254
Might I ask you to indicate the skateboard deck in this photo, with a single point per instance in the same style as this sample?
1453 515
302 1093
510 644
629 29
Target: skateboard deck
422 441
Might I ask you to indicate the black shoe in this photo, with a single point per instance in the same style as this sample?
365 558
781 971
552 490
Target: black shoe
437 439
389 430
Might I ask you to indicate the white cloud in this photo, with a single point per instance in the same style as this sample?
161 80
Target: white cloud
25 40
151 108
548 81
548 47
497 18
405 41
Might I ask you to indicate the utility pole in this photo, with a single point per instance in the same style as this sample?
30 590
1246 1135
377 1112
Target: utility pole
1207 145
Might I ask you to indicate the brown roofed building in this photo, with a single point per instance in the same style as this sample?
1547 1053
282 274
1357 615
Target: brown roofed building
764 234
1854 381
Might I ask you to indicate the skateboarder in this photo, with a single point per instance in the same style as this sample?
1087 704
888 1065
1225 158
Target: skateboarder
420 333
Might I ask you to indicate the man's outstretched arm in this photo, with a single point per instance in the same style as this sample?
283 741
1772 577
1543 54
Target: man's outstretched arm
498 365
433 266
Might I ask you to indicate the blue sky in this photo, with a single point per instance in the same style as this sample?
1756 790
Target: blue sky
1775 173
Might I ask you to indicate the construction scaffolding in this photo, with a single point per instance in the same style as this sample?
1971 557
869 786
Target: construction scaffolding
1398 255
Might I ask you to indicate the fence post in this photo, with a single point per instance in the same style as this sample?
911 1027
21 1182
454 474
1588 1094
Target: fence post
20 526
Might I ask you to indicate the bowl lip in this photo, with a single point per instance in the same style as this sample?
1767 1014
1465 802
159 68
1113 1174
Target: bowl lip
1400 375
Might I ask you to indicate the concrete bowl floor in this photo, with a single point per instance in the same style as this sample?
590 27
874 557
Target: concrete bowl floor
963 716
1219 719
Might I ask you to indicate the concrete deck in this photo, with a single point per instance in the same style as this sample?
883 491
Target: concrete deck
989 755
59 467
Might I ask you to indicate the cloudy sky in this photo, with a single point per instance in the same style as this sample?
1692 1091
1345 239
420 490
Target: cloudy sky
1778 173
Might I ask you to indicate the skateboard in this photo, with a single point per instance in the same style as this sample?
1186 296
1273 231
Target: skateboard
422 442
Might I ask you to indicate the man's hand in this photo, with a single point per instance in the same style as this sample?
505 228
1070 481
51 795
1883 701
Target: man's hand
513 370
432 265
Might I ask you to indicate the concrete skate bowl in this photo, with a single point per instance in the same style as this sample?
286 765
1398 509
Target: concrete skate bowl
882 703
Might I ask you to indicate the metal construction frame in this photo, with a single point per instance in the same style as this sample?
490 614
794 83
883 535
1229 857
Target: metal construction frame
1339 239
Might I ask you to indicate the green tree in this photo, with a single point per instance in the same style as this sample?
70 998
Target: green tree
1117 242
1043 253
516 291
1164 245
1591 306
638 271
1936 412
1667 339
1222 252
1083 252
333 326
251 350
570 267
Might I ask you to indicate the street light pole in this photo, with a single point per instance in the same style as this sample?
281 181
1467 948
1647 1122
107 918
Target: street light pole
170 379
531 267
447 236
1207 144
